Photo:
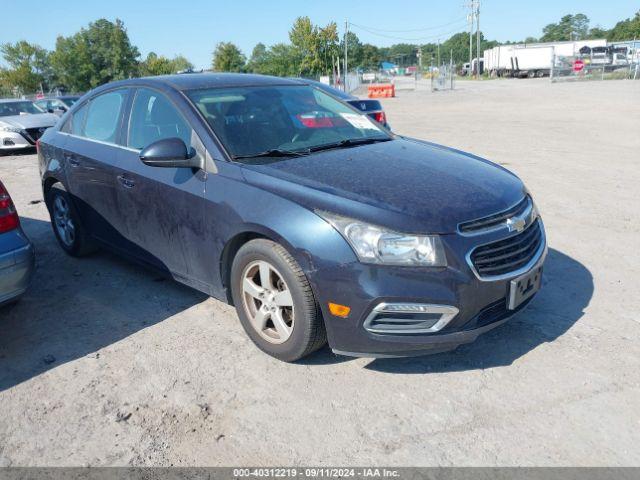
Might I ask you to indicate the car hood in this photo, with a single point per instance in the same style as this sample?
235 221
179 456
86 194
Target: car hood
403 184
32 120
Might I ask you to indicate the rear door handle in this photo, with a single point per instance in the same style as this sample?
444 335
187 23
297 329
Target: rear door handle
127 182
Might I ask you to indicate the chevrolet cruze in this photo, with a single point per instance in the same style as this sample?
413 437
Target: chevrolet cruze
315 222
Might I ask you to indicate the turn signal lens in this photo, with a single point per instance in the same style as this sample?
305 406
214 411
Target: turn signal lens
339 310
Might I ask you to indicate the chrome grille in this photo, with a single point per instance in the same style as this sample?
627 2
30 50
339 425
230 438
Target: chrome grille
496 220
508 255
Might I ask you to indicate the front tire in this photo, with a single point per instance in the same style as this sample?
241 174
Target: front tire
66 224
275 302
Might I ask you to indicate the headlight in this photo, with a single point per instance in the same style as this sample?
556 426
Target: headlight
10 129
373 244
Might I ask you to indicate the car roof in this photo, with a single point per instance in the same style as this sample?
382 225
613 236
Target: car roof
194 81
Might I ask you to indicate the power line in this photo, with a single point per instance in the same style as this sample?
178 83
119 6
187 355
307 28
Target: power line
458 20
415 39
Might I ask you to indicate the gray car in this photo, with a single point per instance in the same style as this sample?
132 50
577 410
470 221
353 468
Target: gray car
22 123
17 257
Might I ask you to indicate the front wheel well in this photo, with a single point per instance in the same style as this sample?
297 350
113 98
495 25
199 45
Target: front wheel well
229 253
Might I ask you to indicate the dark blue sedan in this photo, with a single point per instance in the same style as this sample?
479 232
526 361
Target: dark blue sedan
315 222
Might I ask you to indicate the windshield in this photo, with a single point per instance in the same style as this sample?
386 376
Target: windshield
18 108
69 101
251 121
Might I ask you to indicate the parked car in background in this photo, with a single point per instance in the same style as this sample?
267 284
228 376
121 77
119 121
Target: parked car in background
309 217
22 123
373 108
17 258
58 105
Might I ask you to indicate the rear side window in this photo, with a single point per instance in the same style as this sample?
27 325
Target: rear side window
153 118
76 122
103 116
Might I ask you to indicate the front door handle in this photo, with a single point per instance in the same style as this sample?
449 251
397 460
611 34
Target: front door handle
126 182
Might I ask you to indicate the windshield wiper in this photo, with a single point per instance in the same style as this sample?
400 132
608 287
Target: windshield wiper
274 152
349 142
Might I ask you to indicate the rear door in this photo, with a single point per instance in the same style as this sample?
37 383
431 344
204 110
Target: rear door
165 206
92 165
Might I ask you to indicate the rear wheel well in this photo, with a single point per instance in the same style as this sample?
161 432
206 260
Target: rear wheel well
229 253
48 183
46 187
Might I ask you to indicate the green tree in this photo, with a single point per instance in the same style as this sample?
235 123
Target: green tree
404 54
227 57
280 61
328 47
570 27
180 62
354 51
28 66
258 58
626 30
96 55
303 36
160 65
370 57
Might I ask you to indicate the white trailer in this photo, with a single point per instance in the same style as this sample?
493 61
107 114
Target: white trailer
532 62
531 59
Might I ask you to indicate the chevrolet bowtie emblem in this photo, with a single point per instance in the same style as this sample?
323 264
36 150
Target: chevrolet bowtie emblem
516 224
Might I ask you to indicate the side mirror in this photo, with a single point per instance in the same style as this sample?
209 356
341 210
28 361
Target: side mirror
61 108
170 153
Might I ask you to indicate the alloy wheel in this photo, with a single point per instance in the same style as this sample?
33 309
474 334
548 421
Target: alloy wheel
268 301
63 221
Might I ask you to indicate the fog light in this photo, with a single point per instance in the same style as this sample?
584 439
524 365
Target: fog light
339 310
409 318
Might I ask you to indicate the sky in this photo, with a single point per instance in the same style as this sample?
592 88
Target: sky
193 27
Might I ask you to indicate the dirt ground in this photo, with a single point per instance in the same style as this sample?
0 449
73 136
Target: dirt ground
105 363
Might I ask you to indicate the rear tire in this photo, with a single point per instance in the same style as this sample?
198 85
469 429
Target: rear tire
66 224
275 302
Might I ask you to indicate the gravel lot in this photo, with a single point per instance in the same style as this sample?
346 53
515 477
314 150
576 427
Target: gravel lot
105 363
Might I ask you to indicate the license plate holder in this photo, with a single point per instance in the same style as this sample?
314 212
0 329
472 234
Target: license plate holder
524 287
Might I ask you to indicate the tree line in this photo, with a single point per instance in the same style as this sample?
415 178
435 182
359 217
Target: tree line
102 52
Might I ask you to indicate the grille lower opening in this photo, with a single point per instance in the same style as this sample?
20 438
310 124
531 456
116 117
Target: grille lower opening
398 319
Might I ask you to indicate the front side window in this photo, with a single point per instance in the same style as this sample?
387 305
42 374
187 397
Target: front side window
103 116
153 118
253 120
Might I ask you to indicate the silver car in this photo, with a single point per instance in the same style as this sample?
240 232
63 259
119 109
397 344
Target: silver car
17 257
22 123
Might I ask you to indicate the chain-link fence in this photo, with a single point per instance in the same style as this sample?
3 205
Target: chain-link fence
596 65
443 78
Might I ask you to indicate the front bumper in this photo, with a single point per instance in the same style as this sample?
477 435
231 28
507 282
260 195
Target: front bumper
481 303
17 264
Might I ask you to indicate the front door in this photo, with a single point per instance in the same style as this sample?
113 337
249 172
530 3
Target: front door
165 206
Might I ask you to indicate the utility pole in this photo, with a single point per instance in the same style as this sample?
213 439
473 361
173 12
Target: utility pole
346 48
439 63
477 2
470 18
